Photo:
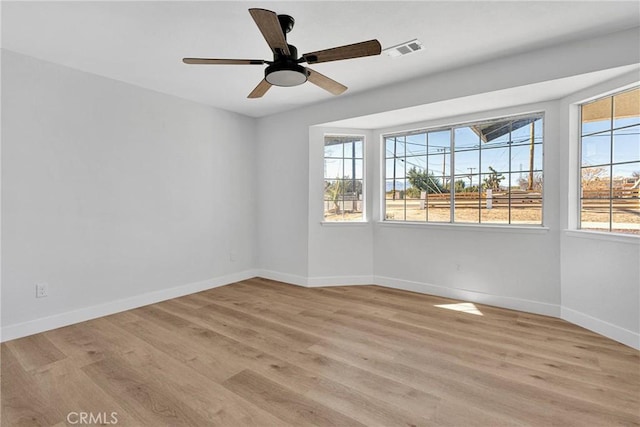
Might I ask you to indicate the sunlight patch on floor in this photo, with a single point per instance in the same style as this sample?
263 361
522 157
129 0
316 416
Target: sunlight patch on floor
466 307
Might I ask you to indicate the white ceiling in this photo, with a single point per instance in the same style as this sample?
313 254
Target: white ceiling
142 43
505 98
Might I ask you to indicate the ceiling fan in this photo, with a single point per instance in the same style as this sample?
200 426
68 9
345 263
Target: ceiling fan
285 69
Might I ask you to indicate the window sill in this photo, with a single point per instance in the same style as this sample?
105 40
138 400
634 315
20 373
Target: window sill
344 223
533 229
599 235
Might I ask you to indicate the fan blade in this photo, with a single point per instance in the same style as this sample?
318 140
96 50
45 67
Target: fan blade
260 90
216 61
269 25
325 82
356 50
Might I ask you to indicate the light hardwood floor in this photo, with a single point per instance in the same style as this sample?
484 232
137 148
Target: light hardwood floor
260 352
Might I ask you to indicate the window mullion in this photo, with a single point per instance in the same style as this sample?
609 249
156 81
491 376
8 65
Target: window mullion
452 168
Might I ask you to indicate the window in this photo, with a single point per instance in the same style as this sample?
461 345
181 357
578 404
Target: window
483 173
610 163
343 178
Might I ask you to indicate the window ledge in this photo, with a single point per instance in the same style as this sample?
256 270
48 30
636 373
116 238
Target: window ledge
344 223
533 229
599 235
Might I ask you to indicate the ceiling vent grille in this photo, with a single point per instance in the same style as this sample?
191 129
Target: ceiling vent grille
405 48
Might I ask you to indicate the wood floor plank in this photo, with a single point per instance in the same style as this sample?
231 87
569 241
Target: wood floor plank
285 404
264 353
35 351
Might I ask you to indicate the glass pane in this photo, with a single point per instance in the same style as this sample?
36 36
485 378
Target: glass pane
527 181
415 206
627 219
438 165
626 144
394 147
466 138
522 134
395 201
333 168
526 204
416 144
438 207
329 186
398 168
389 187
596 116
595 182
626 108
351 168
494 208
333 150
467 199
495 181
626 179
596 149
359 169
495 133
418 163
466 183
522 158
439 142
594 214
348 150
497 158
358 153
538 130
467 161
400 147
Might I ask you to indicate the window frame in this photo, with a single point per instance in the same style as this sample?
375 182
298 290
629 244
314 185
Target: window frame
579 188
451 176
363 219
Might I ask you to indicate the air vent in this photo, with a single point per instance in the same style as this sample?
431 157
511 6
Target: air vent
405 48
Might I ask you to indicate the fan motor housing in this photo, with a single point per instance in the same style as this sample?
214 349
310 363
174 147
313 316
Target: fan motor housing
285 74
285 70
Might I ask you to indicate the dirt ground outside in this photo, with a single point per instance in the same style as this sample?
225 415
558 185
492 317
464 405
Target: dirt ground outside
625 219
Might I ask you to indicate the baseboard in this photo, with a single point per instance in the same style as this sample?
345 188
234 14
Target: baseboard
291 279
601 327
322 281
528 306
315 282
424 288
31 327
622 335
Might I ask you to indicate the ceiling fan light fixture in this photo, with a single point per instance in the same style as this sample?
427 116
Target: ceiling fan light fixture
286 75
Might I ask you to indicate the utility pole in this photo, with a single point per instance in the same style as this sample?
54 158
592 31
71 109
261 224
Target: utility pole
471 176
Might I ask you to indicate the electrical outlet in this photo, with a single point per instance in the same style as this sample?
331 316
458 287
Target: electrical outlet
233 255
42 290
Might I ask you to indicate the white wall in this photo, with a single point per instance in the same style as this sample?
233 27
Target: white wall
110 191
294 247
339 253
600 273
517 268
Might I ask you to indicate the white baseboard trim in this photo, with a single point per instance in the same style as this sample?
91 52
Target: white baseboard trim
322 281
609 330
315 282
624 336
31 327
528 306
291 279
